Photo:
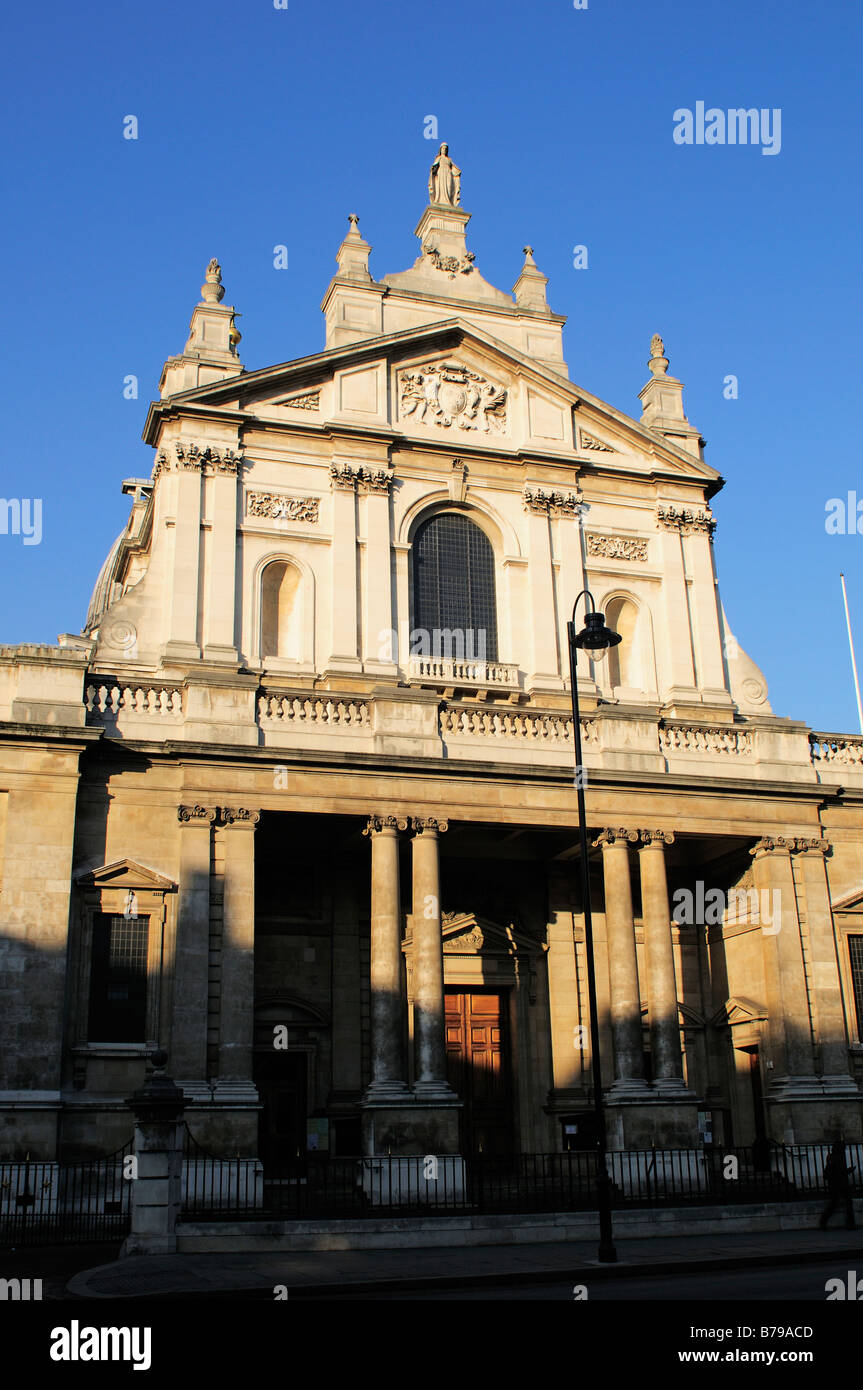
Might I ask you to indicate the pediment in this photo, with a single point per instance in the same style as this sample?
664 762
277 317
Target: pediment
488 393
125 874
464 933
738 1010
852 902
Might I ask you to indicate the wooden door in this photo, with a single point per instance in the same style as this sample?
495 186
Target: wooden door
478 1069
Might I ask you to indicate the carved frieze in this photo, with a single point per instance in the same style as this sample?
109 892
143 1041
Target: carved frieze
590 441
536 499
446 394
276 506
685 519
616 547
308 400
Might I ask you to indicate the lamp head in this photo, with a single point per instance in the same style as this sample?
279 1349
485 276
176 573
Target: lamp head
595 638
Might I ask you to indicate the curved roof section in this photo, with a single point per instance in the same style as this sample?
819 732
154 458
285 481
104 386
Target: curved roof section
103 592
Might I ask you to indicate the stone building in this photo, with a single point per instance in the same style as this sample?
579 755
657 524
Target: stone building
299 806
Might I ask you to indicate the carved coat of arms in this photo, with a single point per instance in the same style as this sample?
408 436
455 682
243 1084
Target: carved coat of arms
446 394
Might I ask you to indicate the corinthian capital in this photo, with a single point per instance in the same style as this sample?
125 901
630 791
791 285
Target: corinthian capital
196 815
238 815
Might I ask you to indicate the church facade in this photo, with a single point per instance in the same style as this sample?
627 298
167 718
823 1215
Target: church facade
298 806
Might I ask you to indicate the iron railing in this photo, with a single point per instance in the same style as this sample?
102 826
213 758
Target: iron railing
321 1187
56 1203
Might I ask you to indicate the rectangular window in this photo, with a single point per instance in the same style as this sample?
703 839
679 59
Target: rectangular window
855 951
118 979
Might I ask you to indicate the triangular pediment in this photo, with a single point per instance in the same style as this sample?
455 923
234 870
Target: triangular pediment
737 1010
125 874
852 902
499 398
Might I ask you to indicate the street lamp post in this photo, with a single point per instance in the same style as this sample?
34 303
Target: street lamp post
595 639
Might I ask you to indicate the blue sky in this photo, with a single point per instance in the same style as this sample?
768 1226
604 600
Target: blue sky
260 127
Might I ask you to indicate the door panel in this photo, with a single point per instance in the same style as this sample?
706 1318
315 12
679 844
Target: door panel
478 1069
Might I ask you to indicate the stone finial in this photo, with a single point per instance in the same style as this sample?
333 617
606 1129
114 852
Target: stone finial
530 287
212 290
658 362
528 255
352 256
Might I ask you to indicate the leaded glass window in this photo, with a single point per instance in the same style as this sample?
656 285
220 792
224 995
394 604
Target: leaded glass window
454 599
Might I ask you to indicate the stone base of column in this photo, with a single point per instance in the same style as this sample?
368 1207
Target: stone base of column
231 1091
654 1121
415 1128
790 1088
388 1093
815 1118
629 1088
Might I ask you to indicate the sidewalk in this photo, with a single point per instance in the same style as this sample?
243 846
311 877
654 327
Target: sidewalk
311 1273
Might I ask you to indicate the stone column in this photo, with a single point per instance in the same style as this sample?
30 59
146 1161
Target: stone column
659 953
190 982
237 996
387 996
789 1023
622 964
431 1081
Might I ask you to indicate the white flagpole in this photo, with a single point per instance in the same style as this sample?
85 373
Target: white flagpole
853 658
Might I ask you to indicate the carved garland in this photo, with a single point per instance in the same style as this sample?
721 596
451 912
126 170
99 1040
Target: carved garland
278 507
616 547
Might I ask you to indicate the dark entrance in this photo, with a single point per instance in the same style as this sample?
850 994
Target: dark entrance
282 1082
478 1069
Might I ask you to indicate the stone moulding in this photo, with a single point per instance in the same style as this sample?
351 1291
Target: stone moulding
275 506
616 547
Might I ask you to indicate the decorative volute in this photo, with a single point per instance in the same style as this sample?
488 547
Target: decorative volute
662 404
211 349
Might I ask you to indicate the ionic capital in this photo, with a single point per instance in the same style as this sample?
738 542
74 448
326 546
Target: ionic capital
772 844
656 838
238 815
391 824
428 825
196 815
607 838
812 846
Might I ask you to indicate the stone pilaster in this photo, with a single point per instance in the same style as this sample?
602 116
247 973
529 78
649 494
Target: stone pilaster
182 644
789 1022
343 573
811 866
388 1078
190 984
237 997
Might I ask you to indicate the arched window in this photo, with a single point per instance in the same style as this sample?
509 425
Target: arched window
624 660
281 616
453 590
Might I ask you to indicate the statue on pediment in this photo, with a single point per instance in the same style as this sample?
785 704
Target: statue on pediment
444 180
